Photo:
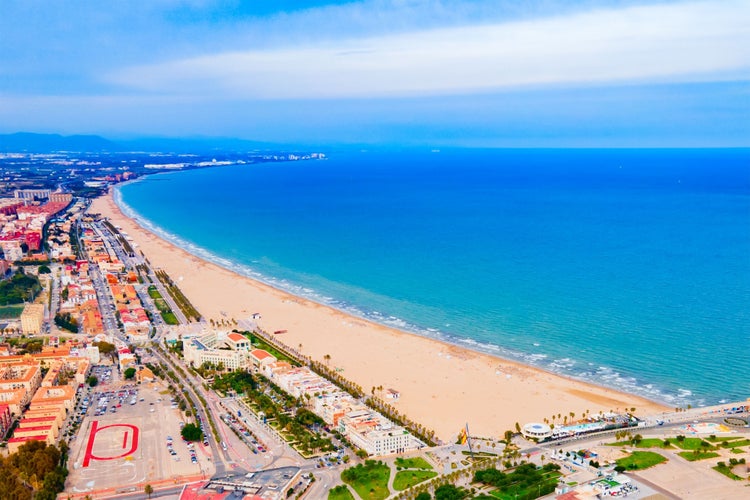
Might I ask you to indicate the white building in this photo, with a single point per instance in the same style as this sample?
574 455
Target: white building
205 349
363 426
536 431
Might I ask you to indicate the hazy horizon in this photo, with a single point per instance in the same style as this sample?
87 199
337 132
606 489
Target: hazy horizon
595 73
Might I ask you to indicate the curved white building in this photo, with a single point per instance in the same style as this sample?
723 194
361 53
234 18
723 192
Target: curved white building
536 431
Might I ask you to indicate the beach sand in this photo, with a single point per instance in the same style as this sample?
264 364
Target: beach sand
442 386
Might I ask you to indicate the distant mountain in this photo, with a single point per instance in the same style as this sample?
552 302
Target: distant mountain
47 143
196 145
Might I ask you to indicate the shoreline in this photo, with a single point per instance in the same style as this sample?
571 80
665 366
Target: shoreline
437 379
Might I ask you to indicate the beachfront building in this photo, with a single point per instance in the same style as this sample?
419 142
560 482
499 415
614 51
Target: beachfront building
260 358
362 426
536 431
32 319
375 434
238 342
215 348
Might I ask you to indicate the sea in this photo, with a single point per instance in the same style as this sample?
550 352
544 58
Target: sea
628 268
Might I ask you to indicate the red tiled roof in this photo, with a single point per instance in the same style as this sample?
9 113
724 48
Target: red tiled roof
260 354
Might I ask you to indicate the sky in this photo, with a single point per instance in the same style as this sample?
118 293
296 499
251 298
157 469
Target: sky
537 73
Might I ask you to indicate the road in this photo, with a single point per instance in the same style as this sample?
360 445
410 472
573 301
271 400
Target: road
220 457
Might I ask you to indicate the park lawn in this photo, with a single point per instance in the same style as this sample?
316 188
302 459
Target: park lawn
413 463
153 292
720 439
737 451
643 443
340 493
652 443
372 481
690 444
169 318
691 456
737 444
639 460
407 478
532 491
7 312
727 471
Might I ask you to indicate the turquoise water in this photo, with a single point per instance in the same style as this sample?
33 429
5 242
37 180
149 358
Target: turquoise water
627 268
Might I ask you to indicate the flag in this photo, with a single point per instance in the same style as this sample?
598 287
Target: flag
462 436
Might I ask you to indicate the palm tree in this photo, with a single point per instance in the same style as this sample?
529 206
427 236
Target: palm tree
148 490
327 357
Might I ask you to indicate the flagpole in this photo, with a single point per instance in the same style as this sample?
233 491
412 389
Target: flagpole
468 441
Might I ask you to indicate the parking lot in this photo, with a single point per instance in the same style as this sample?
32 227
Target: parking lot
130 434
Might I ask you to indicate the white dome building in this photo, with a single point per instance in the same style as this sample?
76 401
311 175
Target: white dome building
536 431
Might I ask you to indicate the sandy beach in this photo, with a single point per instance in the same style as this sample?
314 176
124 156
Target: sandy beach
442 386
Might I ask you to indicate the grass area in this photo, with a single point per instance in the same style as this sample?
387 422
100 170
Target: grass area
369 480
340 492
727 472
693 456
524 482
691 444
166 312
737 444
413 463
178 297
639 460
10 312
169 318
737 451
721 439
652 443
407 478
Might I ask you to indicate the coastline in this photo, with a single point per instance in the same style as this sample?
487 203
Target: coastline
438 381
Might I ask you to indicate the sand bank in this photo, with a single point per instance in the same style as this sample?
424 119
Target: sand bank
442 386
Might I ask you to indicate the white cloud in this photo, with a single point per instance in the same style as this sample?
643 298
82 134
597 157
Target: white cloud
675 42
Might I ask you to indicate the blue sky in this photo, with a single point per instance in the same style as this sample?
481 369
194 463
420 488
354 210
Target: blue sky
413 72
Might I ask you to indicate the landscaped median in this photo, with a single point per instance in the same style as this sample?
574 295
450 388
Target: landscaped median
161 304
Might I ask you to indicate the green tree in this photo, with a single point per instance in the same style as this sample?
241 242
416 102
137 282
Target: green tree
107 349
148 490
44 269
129 373
192 432
423 496
92 381
67 322
449 492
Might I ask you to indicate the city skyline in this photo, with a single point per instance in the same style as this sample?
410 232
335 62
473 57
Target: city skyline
451 73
